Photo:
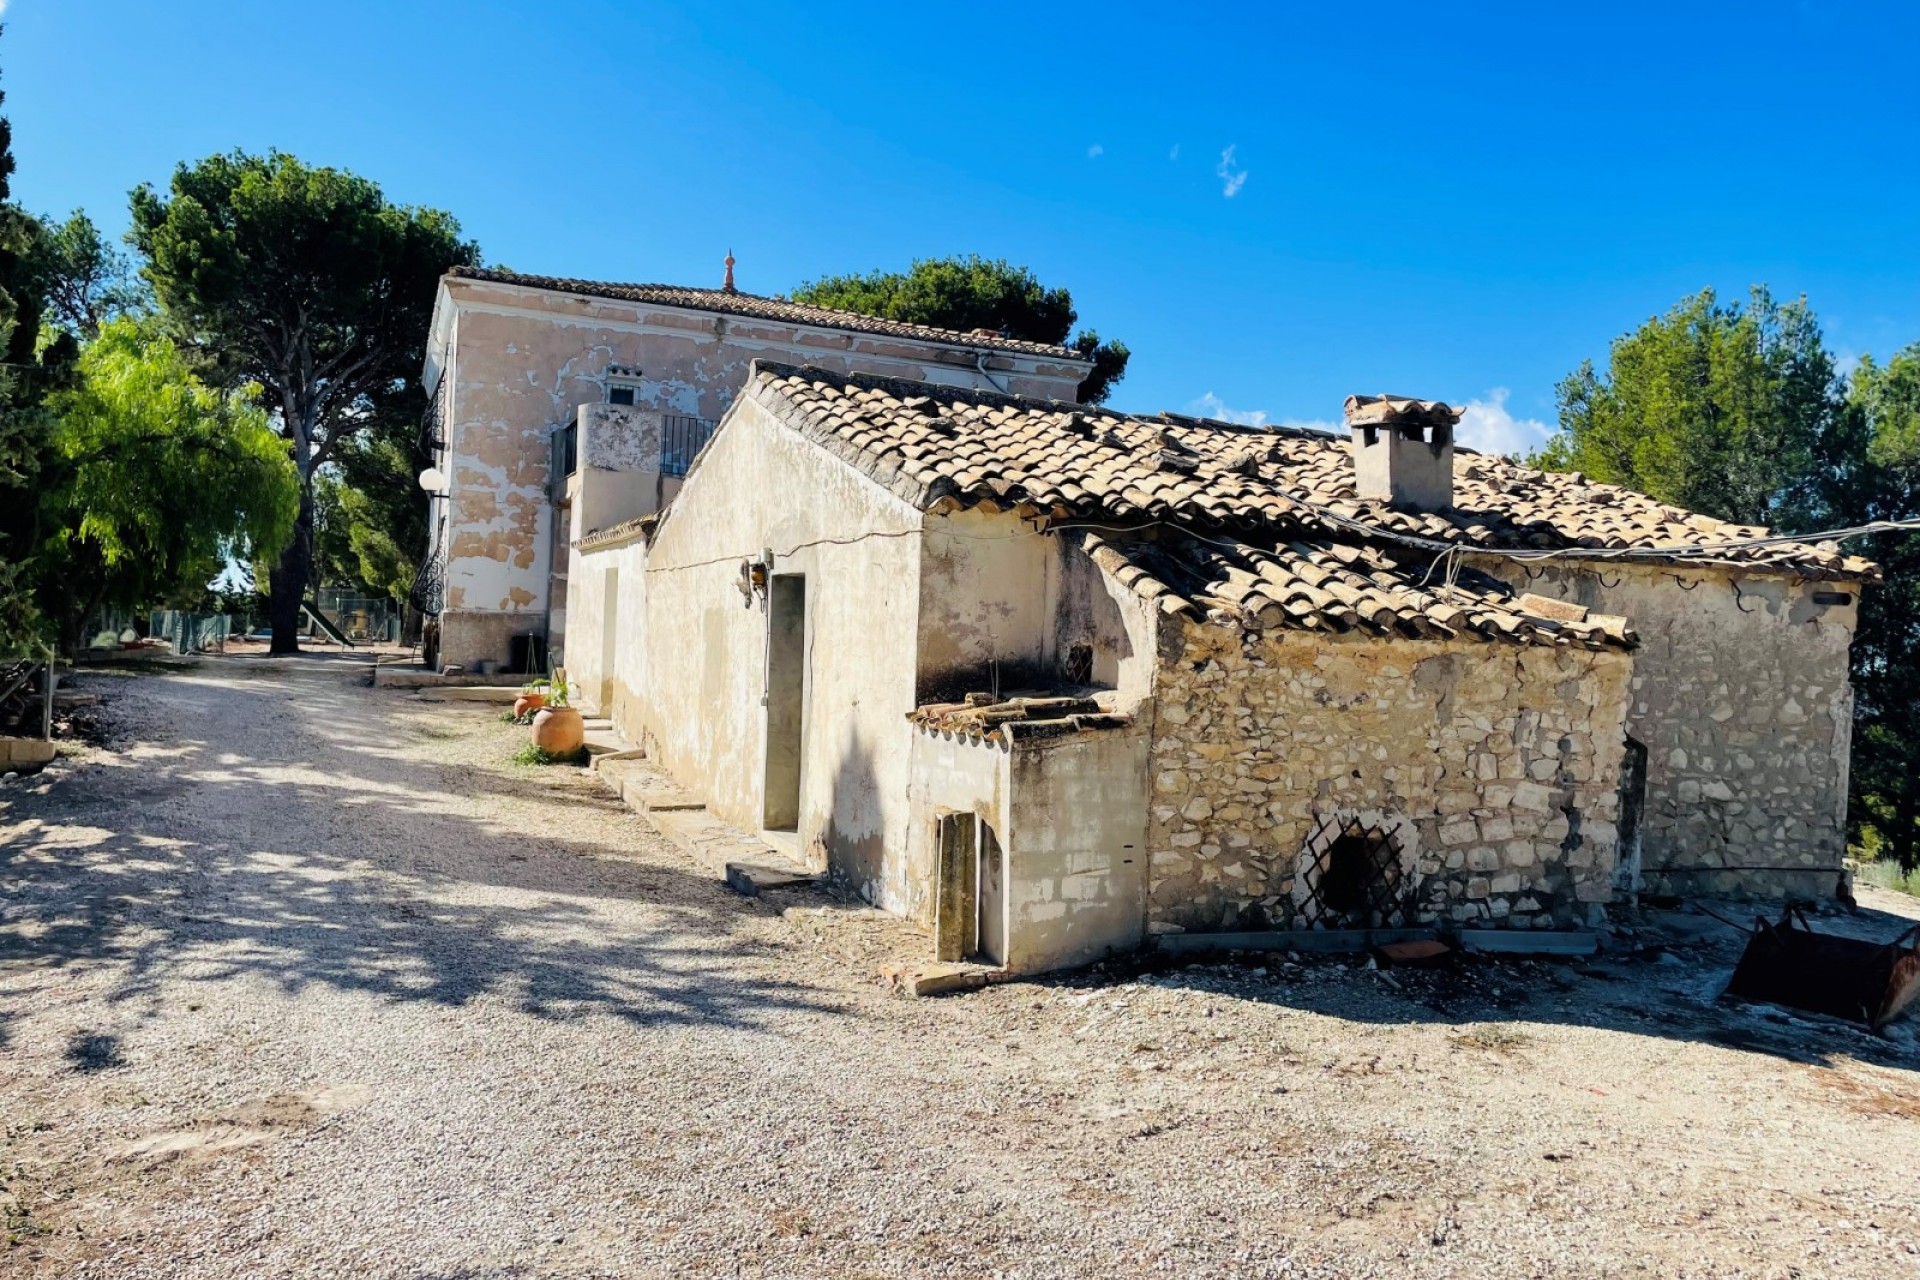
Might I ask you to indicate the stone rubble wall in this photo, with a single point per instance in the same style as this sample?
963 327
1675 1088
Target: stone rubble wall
1497 765
1743 703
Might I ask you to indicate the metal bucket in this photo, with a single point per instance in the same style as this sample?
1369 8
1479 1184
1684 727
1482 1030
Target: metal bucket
1789 964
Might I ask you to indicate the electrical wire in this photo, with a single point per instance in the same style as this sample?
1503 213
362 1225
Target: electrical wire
1448 553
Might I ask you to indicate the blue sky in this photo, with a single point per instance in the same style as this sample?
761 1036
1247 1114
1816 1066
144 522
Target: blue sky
1274 206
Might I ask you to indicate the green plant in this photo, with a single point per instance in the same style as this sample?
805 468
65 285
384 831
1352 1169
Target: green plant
531 755
538 684
1886 873
558 690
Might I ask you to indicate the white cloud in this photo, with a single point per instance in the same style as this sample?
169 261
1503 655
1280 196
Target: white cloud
3 8
1844 361
1487 426
1231 175
1212 406
1171 155
1095 151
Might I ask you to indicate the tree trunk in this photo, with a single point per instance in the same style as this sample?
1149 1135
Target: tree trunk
287 580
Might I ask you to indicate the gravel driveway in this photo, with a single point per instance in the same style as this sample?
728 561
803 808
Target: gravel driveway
302 978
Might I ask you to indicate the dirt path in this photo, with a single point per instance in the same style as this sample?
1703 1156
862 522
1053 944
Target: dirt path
303 979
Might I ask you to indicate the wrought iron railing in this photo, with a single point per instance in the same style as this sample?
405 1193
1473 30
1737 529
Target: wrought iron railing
429 591
433 419
681 439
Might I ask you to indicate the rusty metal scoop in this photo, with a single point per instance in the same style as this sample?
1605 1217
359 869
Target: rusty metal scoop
1870 982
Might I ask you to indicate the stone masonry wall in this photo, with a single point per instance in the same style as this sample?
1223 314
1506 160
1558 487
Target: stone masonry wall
1742 701
1495 766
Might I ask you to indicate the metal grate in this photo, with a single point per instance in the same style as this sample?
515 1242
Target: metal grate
1356 879
681 439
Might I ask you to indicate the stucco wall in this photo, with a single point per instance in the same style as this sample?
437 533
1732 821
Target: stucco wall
615 688
1743 704
523 360
1121 629
986 601
1078 851
992 591
760 485
1496 767
948 774
1069 814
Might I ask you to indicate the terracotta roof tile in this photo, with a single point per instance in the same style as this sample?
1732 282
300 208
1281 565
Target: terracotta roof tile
1338 587
929 443
730 302
1017 717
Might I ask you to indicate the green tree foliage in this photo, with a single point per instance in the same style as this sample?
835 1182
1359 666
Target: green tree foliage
1723 409
975 293
1878 478
27 370
152 481
1736 411
309 283
85 279
389 510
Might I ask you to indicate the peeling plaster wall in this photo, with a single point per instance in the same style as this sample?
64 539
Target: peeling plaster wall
524 360
1498 765
761 485
617 476
1743 704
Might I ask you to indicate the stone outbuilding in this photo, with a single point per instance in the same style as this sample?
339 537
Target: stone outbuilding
1050 678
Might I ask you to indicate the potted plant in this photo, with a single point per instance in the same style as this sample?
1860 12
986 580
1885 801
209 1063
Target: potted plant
558 729
533 696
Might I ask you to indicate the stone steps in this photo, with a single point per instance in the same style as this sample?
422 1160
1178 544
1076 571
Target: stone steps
746 863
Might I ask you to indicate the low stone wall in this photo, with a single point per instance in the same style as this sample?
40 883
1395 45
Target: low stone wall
1493 771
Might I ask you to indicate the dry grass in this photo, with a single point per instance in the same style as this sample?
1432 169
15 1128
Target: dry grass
1888 875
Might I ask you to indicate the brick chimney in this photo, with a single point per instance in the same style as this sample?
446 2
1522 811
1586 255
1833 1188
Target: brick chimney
1403 451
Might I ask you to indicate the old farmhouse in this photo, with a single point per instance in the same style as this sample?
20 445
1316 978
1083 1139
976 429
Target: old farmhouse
513 361
1049 678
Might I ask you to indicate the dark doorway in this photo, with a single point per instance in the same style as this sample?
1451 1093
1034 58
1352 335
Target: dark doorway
957 910
786 699
1633 809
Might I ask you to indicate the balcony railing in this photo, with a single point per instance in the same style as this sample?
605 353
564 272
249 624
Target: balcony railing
433 419
681 439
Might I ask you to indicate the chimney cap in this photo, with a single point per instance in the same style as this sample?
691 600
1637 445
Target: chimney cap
1403 412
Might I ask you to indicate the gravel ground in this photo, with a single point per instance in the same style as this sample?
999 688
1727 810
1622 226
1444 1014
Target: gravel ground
301 978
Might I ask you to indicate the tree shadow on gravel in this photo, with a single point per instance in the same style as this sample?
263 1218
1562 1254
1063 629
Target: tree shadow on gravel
214 860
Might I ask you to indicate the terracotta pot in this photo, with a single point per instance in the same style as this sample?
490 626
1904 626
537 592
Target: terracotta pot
528 702
558 731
